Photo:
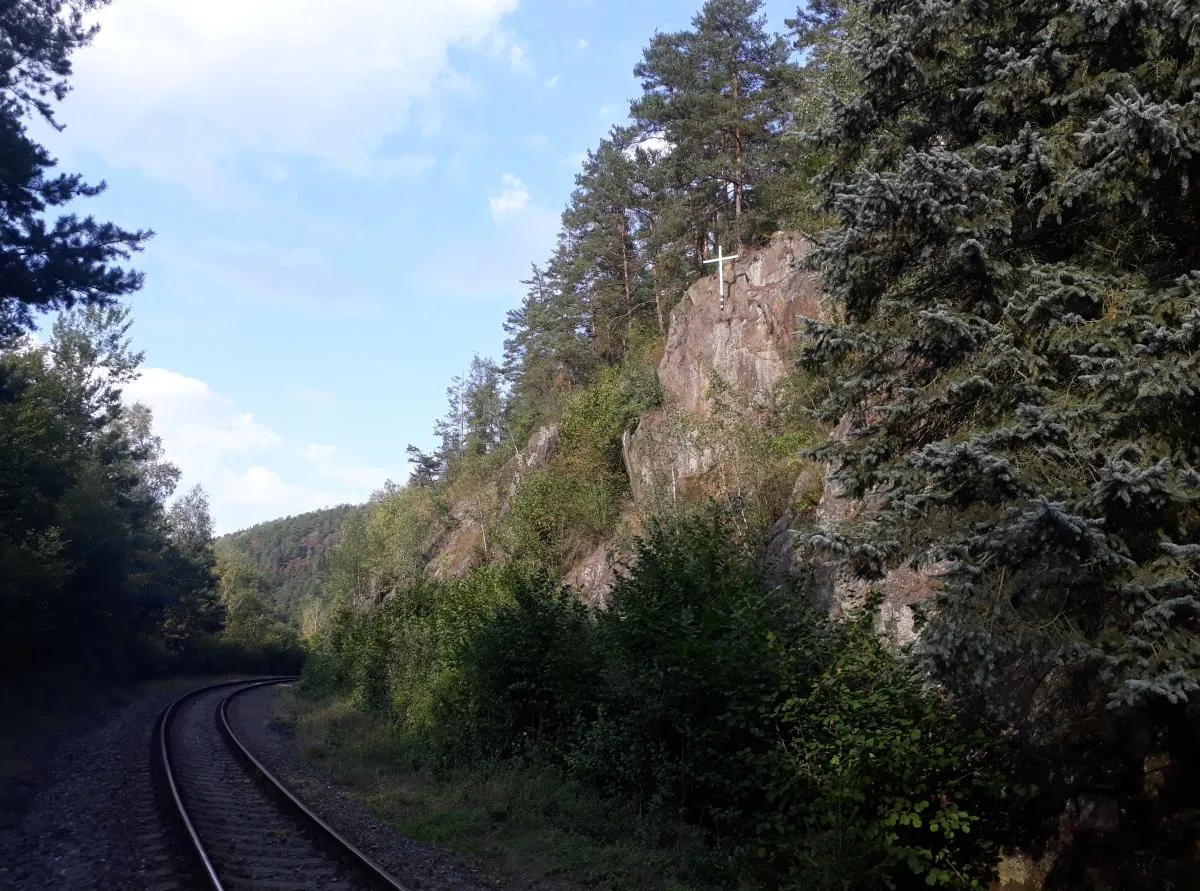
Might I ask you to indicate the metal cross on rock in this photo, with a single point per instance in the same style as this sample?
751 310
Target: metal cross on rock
720 259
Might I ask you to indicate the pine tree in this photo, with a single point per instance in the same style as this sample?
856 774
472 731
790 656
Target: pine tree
828 77
428 469
483 406
606 265
44 264
548 350
1017 263
451 429
717 94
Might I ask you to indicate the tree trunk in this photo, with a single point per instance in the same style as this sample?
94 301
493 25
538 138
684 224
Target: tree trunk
625 262
737 156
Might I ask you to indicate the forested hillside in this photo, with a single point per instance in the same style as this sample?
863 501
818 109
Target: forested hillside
867 559
99 569
292 554
893 588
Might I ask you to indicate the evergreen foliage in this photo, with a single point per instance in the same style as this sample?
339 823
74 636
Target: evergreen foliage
1016 260
96 568
48 264
97 573
702 160
1016 267
718 94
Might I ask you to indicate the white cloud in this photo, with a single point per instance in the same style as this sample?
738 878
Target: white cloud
517 60
177 89
239 459
198 425
608 110
513 197
258 494
550 83
318 453
504 45
536 140
581 43
655 143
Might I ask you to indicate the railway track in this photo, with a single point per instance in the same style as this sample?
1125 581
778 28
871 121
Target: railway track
240 825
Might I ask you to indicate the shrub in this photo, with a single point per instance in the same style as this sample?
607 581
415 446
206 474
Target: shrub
564 508
813 756
808 754
528 675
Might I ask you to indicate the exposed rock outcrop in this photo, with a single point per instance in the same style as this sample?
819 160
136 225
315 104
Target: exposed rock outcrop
460 547
537 454
594 575
747 345
749 342
664 459
465 544
744 350
820 504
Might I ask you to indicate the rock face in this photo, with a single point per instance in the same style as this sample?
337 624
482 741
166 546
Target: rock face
537 453
464 544
593 576
840 593
664 459
460 547
743 349
748 343
746 346
820 504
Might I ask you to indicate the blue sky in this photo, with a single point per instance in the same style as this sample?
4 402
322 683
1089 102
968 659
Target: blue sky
346 197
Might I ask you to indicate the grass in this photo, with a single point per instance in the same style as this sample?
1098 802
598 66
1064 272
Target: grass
525 825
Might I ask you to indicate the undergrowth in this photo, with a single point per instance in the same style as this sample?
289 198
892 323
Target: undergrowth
789 752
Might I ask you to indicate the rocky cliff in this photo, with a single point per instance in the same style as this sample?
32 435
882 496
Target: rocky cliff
717 358
748 343
743 349
463 543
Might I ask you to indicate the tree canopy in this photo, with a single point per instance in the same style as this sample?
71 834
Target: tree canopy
48 263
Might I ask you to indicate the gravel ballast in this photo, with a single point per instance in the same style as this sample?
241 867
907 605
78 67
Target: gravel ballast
419 866
95 823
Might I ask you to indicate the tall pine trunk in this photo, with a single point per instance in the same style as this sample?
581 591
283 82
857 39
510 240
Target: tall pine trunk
737 157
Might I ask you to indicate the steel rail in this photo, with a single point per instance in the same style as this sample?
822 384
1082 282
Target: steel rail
375 874
178 810
326 835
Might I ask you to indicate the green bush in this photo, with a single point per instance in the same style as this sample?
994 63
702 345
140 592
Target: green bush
528 675
814 757
809 755
564 508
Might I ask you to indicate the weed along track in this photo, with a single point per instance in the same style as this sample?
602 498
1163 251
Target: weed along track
241 825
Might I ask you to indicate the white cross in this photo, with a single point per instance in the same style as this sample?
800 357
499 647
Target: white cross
720 259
